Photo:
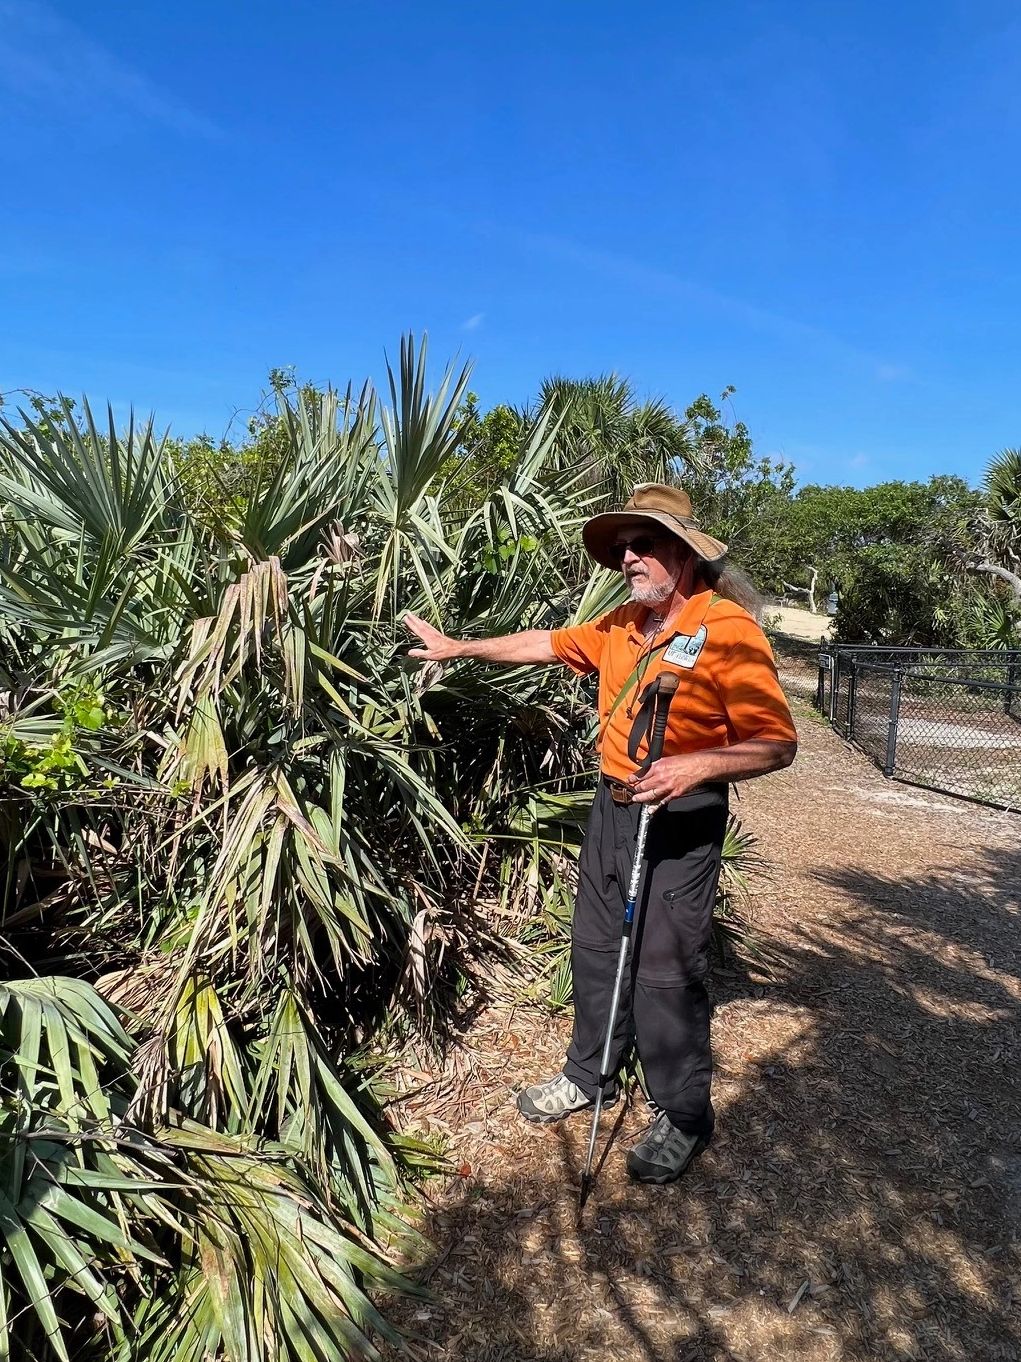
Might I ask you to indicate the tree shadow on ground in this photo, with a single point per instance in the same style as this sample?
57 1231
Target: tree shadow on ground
862 1199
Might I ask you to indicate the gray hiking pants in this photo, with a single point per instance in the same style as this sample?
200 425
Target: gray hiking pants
664 996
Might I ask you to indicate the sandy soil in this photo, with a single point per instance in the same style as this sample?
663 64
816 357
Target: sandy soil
862 1198
786 619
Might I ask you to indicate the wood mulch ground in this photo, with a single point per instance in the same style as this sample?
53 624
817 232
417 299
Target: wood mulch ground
862 1197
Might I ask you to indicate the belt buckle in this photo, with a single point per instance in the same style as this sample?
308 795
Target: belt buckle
620 794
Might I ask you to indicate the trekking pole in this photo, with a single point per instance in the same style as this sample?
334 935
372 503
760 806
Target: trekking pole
665 687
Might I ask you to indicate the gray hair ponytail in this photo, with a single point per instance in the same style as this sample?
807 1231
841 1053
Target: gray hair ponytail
731 582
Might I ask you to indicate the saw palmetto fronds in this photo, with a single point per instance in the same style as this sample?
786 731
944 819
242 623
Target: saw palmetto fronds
228 800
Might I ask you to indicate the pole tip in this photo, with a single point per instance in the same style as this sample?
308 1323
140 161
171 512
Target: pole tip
586 1187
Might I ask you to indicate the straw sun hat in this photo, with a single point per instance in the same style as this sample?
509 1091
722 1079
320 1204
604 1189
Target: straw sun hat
667 506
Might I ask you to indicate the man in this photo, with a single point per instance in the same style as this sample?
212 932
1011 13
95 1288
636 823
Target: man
729 721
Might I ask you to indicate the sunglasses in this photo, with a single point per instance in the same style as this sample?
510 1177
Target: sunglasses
642 545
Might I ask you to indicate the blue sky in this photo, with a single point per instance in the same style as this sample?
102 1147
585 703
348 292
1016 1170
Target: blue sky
816 202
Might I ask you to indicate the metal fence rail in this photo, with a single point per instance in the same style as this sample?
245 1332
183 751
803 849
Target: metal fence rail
948 719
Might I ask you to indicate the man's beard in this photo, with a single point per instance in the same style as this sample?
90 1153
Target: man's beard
645 593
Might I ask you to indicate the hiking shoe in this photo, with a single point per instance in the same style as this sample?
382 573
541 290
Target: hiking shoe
664 1152
556 1098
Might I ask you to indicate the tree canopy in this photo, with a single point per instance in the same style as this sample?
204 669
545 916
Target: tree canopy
911 562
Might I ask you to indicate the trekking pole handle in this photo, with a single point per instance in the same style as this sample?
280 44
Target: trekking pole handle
665 691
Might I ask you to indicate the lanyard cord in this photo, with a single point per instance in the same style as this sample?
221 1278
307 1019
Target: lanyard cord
636 675
641 667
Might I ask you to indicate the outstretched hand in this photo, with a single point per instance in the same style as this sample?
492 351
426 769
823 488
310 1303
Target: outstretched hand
437 646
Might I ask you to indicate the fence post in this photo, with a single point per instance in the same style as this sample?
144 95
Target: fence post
891 733
825 665
834 685
1012 678
852 699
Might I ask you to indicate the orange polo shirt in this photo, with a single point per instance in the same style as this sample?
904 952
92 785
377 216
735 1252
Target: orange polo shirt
728 691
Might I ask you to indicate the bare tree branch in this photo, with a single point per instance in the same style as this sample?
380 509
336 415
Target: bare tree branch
1011 578
808 591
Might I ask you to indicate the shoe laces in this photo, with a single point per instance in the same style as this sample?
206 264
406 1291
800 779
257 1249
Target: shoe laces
655 1115
662 1129
562 1085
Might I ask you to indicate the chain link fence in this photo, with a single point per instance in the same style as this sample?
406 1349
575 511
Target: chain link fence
944 718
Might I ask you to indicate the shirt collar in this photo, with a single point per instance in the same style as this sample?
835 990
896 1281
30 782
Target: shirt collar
692 614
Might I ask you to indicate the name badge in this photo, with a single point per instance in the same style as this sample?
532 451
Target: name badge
685 648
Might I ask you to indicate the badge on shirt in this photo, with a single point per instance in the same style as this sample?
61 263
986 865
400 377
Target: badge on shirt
685 648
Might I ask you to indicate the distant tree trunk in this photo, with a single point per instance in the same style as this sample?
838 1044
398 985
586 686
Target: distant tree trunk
1011 578
808 591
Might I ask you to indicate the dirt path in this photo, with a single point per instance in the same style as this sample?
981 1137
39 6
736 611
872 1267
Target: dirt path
862 1198
800 624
